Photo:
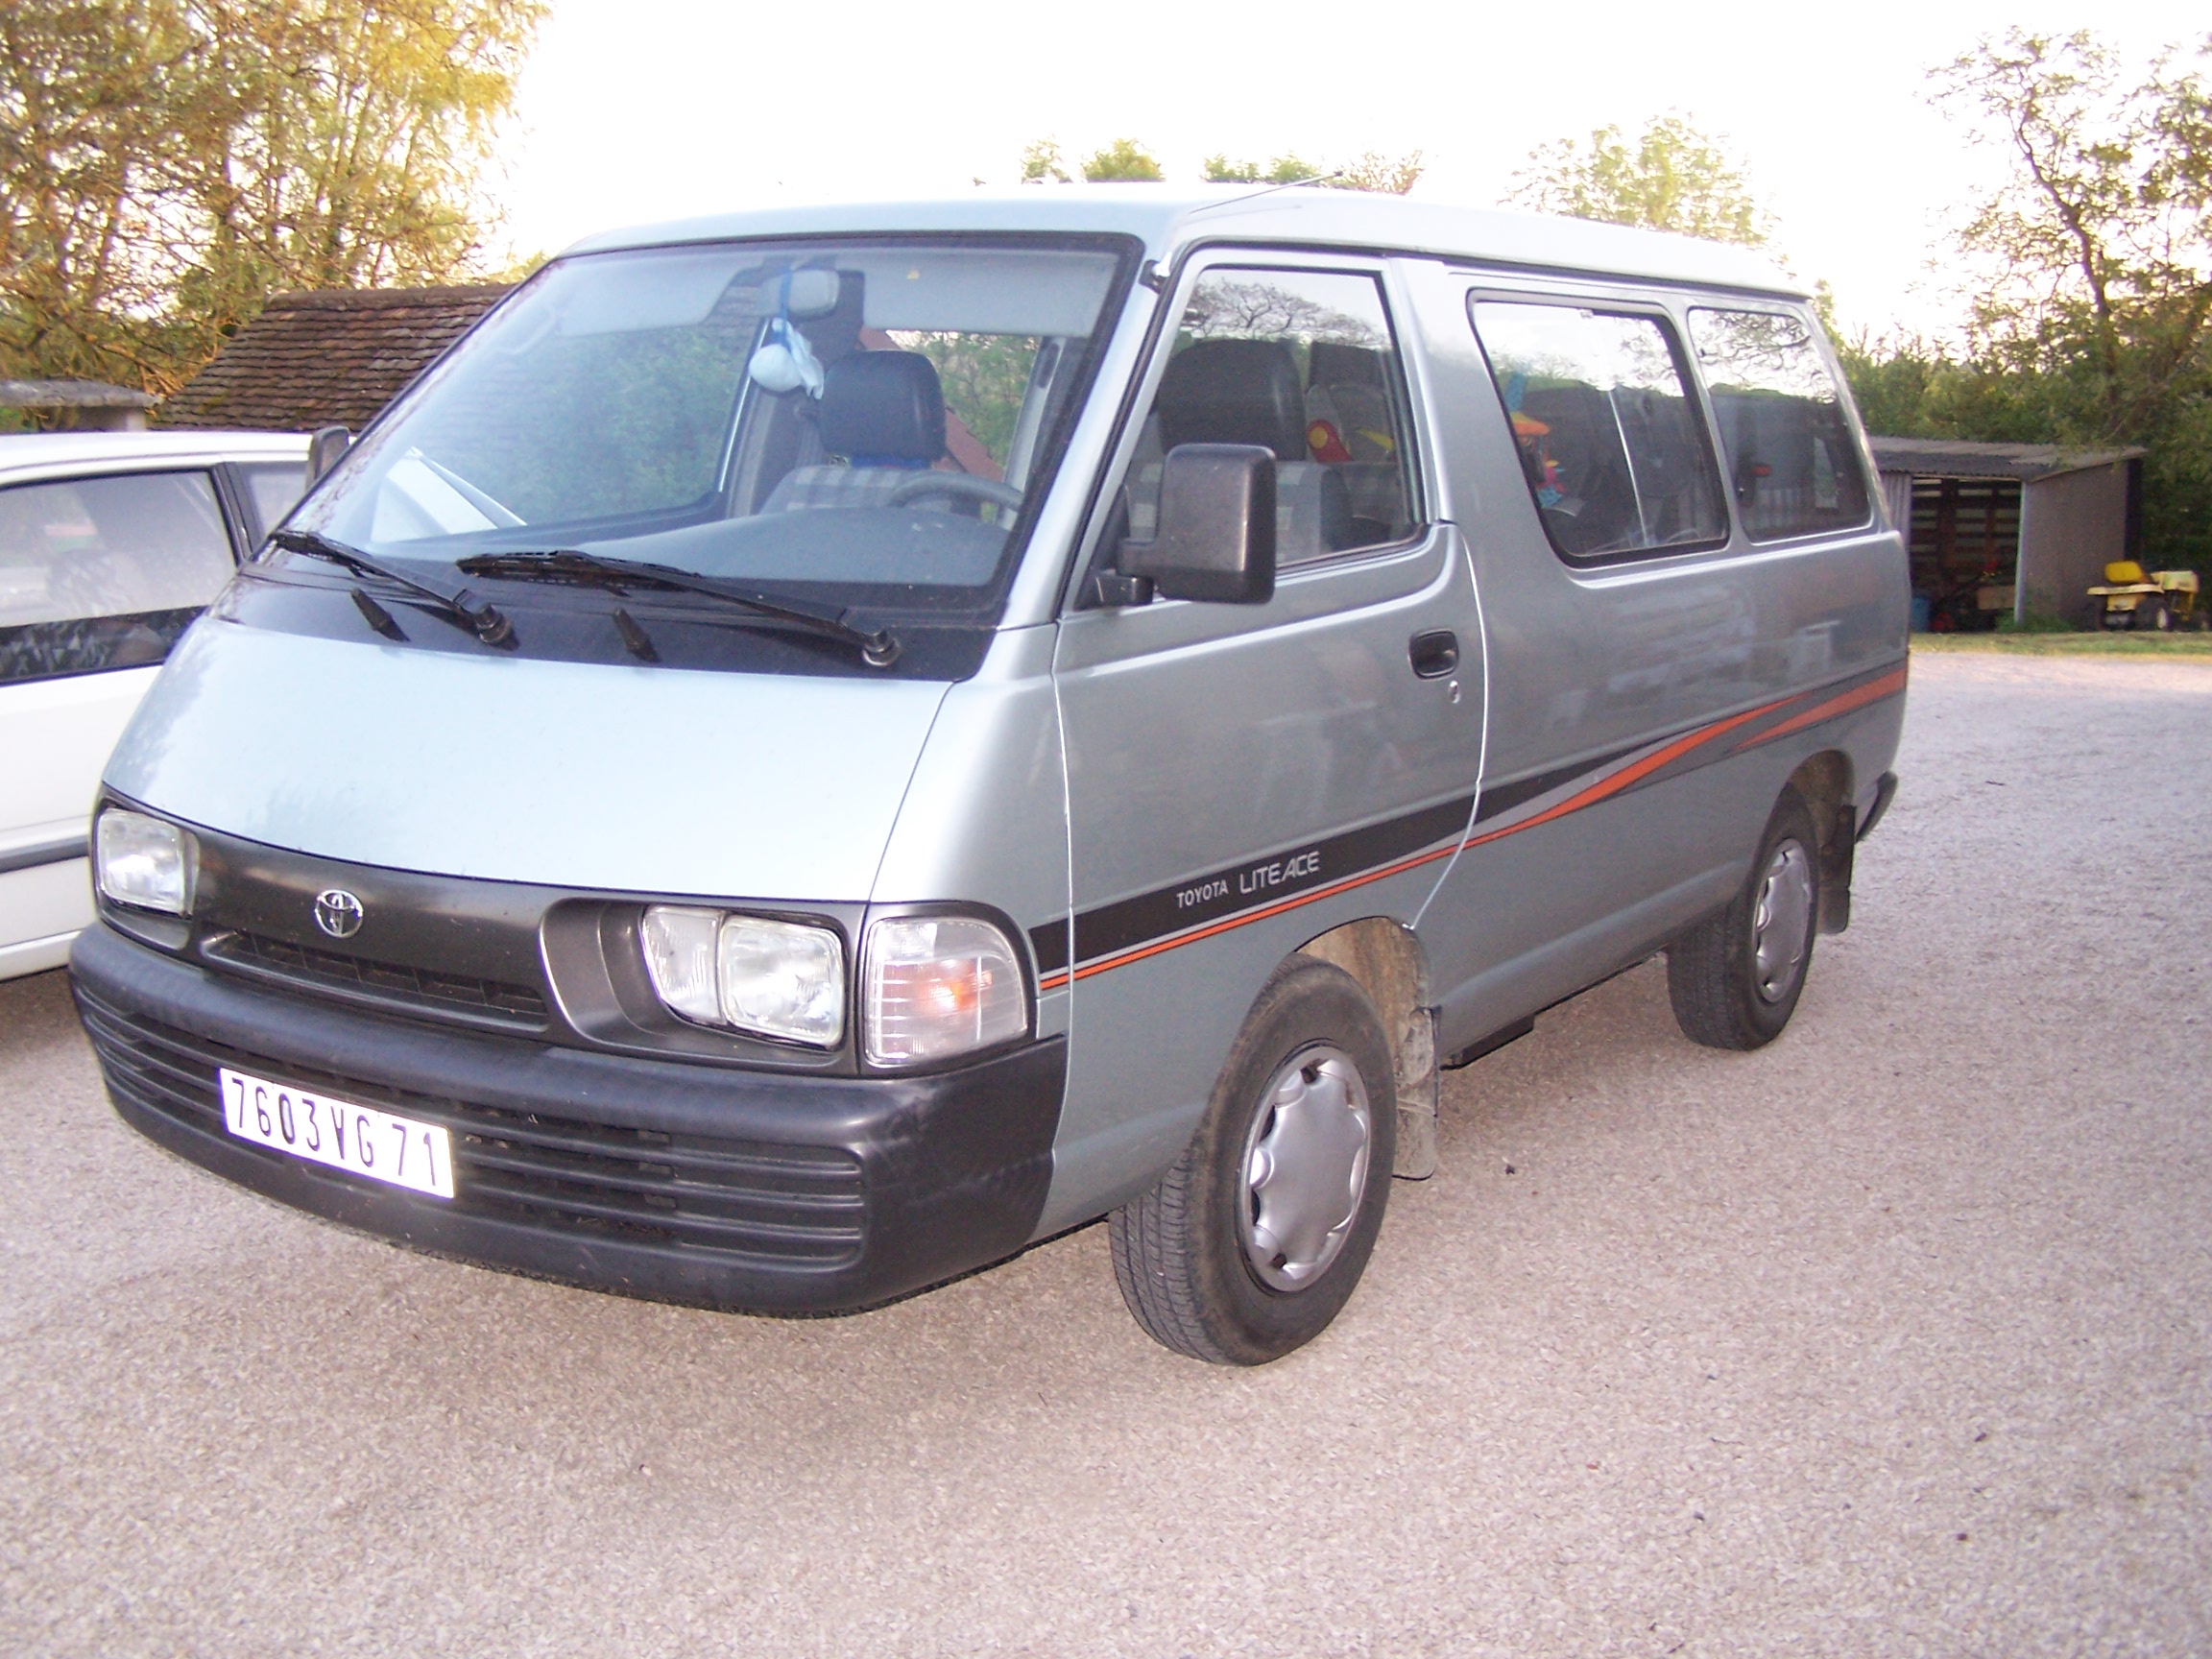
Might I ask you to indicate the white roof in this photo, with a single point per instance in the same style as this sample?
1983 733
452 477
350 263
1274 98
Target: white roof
37 454
1168 218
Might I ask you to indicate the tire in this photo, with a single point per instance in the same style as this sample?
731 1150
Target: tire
2152 617
1236 1271
1725 994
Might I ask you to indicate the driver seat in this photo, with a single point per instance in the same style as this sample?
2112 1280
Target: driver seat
884 413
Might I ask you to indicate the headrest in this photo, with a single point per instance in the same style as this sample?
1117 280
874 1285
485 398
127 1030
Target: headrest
2123 572
884 408
1234 392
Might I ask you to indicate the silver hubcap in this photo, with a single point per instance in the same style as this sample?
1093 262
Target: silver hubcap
1305 1168
1781 921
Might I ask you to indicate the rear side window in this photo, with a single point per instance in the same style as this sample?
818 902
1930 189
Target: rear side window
1611 445
1609 439
1792 459
1302 363
105 572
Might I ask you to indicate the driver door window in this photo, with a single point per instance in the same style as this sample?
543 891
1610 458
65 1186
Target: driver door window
1302 363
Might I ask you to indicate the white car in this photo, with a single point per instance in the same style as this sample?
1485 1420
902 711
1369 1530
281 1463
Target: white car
110 543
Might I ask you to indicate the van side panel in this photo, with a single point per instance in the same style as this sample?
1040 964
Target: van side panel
1635 669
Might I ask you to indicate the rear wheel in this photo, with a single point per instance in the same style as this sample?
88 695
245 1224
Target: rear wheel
1735 977
1251 1244
2152 617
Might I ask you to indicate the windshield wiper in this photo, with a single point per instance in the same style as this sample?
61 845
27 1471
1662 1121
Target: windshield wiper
878 649
485 622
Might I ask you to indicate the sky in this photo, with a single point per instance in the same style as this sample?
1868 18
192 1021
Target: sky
634 110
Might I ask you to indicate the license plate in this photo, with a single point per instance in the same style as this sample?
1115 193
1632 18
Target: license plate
382 1145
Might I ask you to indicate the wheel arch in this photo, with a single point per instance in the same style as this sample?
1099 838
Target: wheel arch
1385 958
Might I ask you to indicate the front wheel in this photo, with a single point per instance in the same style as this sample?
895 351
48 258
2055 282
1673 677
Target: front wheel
1253 1242
1735 977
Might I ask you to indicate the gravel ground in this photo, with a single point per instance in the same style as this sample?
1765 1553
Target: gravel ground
1890 1339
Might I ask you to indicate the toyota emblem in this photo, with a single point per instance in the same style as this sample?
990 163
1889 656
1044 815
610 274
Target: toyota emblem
338 913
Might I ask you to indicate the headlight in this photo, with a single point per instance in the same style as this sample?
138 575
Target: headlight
145 861
777 979
939 987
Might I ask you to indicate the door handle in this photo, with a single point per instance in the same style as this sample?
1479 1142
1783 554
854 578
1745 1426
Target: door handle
1433 654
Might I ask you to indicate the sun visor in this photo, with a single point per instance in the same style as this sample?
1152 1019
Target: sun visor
629 296
972 289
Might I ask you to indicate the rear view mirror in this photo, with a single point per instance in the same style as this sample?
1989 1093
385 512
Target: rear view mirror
1216 532
814 293
324 451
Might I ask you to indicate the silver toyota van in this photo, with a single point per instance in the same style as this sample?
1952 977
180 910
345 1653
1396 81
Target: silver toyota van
815 749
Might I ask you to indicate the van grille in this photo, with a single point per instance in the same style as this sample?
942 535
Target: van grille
783 1205
303 966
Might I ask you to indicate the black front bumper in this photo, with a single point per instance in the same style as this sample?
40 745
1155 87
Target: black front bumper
686 1183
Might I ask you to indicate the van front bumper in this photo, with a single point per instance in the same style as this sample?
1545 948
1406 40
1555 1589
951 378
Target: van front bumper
737 1190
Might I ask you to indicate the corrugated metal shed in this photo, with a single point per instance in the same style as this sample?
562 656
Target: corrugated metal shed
2018 529
1953 458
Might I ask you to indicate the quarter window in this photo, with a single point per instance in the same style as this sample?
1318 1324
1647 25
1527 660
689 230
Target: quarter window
1302 363
1792 459
105 572
1610 442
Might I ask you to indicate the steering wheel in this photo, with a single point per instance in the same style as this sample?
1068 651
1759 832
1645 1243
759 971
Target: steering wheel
957 487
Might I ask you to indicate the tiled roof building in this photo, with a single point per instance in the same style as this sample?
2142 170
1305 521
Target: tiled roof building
326 359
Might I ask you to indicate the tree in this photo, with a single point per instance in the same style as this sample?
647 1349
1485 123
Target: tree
166 164
1377 172
2092 268
2097 245
1669 177
1042 163
1123 161
1371 171
1282 170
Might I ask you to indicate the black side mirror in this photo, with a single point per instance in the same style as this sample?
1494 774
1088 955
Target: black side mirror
324 451
1217 534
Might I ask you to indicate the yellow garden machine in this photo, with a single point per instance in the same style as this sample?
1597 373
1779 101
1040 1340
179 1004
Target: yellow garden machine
2155 603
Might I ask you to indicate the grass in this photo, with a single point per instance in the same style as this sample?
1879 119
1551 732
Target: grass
2192 646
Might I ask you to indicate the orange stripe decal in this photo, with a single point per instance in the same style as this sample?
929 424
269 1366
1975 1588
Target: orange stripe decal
1613 783
1630 773
1873 691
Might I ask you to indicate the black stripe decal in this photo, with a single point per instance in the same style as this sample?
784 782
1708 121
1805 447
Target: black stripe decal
1270 878
44 852
1048 943
1260 885
1498 798
1502 798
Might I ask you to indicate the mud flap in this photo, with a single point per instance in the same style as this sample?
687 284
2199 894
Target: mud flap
1417 1098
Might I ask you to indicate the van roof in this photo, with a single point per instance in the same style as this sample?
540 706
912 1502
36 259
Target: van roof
1168 218
37 453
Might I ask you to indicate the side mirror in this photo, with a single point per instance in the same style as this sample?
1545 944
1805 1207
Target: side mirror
1217 534
324 451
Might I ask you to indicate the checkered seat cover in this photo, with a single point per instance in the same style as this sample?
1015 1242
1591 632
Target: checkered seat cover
836 485
884 413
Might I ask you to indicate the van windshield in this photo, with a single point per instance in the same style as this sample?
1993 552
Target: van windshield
863 421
